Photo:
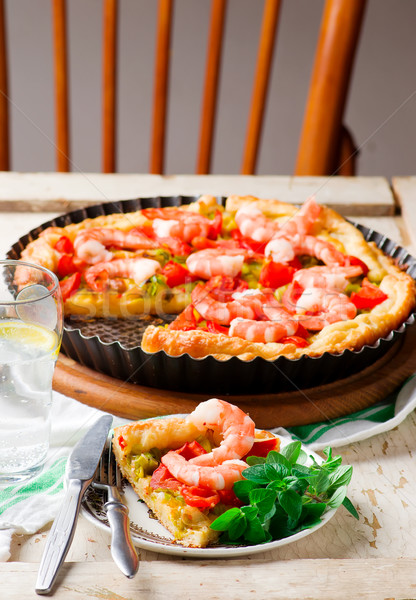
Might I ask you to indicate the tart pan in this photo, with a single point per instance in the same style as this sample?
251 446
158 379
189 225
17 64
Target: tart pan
112 346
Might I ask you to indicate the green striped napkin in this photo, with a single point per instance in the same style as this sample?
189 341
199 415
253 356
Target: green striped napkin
360 425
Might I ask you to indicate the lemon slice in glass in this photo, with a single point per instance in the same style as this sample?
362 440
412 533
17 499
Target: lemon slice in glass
30 335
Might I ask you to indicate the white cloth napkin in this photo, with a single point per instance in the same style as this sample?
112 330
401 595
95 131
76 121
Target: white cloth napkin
29 506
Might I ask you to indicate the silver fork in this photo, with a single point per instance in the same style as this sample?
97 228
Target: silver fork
108 479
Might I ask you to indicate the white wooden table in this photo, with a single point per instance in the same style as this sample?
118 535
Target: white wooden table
370 559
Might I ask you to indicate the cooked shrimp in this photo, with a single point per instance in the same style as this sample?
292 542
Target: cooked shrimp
220 477
220 468
335 278
91 244
262 331
284 249
138 269
233 426
217 261
303 221
246 305
254 224
176 222
330 306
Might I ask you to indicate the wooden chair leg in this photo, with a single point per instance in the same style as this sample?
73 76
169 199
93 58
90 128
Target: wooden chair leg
348 154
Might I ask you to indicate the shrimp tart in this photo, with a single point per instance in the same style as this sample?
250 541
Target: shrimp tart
248 277
184 468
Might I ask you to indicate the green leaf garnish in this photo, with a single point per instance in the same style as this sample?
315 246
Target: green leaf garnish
283 496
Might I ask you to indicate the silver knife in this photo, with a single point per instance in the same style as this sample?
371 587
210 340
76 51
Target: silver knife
81 467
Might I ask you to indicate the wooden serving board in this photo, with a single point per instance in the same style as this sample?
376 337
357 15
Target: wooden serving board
302 407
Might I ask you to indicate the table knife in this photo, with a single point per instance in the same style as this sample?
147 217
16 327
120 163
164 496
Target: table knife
81 467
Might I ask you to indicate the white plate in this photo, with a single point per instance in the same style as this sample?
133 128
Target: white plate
149 534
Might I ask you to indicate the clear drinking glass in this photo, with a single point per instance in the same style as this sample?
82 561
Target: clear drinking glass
30 337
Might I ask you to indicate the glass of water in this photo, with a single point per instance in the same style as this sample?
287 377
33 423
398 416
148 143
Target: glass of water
30 337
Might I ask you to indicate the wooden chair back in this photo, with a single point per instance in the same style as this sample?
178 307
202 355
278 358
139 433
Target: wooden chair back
325 146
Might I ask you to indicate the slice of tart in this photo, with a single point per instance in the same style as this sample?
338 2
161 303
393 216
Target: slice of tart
205 451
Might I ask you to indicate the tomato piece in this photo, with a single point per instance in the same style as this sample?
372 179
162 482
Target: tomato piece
175 246
221 287
274 275
176 274
295 263
200 497
215 226
299 342
66 266
201 243
216 328
351 261
162 479
291 295
301 331
262 447
186 320
229 498
146 230
64 245
70 285
248 243
368 296
190 450
121 442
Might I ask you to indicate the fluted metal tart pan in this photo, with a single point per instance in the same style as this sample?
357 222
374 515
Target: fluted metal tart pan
112 346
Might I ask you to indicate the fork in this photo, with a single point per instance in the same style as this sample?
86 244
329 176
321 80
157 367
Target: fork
108 479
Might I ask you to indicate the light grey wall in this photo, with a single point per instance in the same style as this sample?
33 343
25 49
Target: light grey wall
380 111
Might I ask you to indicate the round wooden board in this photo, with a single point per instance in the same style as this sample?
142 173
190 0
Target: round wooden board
302 407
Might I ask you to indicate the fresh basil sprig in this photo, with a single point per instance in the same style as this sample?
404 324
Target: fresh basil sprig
282 496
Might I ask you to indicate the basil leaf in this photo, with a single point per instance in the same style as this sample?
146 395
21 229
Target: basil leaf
328 452
255 460
237 527
275 471
291 503
320 482
257 473
311 514
250 512
337 497
278 527
302 458
291 452
350 507
263 498
254 532
222 522
300 470
297 485
276 458
341 476
243 488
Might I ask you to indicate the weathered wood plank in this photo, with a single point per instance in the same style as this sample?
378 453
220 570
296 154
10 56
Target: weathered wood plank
404 189
234 580
62 192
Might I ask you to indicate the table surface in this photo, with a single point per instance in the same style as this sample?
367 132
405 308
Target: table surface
375 556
